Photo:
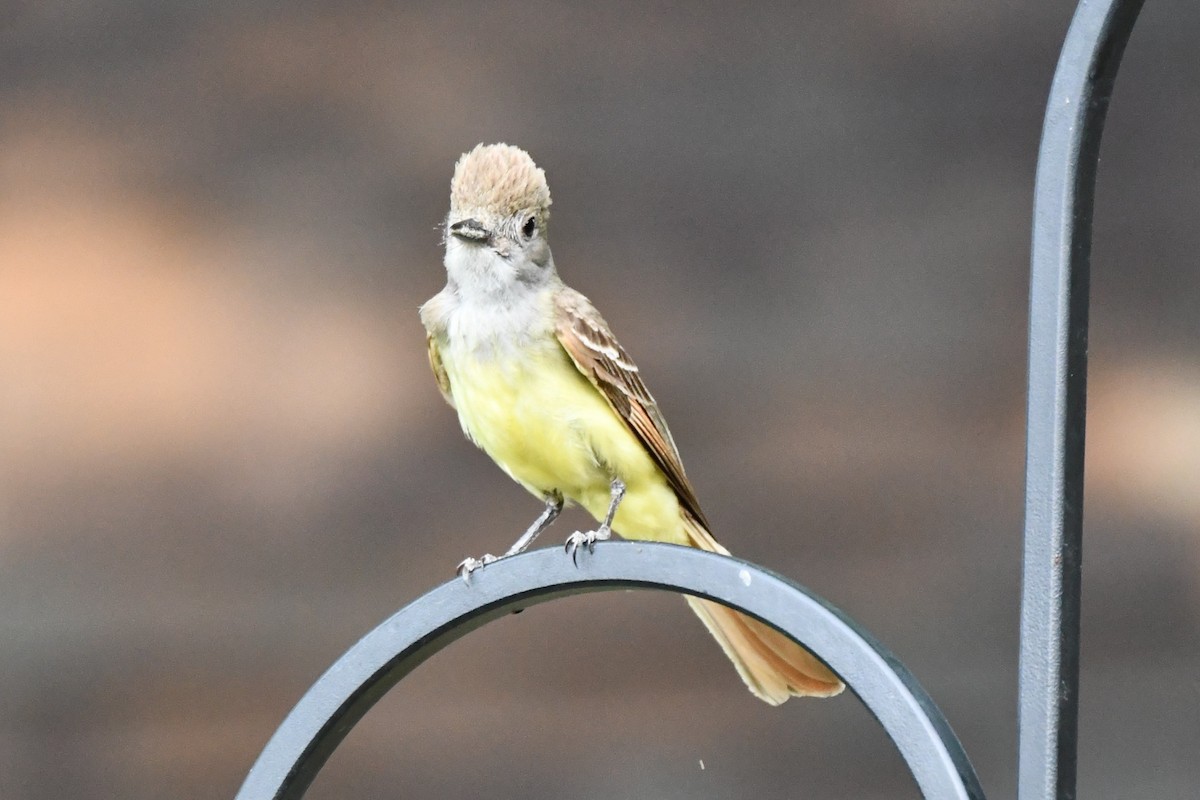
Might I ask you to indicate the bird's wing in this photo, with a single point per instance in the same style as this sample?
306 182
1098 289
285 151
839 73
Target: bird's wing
439 369
586 337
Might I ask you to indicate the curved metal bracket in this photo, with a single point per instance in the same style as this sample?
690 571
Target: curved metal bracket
364 674
1050 605
1058 334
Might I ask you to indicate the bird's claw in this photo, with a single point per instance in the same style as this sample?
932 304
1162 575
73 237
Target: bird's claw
469 565
581 539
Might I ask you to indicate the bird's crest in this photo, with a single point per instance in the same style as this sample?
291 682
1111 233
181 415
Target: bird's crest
498 178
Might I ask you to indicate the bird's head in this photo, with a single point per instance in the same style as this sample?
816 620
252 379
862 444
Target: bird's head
499 208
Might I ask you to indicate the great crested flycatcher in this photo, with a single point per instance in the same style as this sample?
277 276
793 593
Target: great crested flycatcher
542 386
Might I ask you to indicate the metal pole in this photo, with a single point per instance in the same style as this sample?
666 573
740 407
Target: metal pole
1058 325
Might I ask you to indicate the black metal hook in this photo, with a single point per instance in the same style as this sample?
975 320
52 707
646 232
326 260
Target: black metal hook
1058 334
364 674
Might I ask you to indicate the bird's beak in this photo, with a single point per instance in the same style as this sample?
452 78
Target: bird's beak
470 230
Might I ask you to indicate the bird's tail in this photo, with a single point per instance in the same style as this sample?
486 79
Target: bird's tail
772 665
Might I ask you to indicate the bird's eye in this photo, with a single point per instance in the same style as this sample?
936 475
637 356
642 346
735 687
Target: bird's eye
529 227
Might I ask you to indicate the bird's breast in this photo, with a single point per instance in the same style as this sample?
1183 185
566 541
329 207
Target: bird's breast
544 423
531 410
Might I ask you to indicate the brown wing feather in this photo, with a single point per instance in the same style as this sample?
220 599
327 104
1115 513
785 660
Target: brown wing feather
586 337
439 370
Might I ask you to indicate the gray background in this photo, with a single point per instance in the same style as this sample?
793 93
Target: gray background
223 457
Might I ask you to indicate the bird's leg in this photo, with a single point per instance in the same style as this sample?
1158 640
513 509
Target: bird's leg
588 539
617 489
554 506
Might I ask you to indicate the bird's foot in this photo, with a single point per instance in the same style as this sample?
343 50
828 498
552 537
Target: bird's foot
469 565
586 539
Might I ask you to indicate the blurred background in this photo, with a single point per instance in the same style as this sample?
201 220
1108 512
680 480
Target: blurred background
223 457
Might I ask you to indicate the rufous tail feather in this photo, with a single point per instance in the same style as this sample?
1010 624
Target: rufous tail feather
773 667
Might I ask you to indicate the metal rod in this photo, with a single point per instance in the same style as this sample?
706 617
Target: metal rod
333 705
1058 327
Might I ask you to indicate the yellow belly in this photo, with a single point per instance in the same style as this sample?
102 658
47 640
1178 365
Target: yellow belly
545 424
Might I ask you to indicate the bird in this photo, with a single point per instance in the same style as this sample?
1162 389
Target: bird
543 387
